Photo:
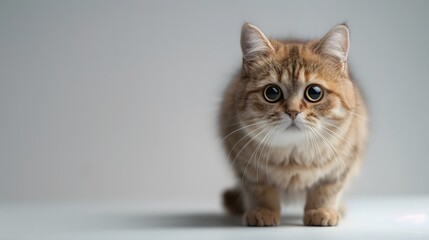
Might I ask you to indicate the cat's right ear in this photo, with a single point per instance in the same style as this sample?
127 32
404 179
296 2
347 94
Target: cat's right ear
254 43
335 45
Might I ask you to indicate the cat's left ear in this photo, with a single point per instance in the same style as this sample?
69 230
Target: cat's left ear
254 43
255 46
335 44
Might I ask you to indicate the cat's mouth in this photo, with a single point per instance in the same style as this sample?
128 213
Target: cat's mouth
293 127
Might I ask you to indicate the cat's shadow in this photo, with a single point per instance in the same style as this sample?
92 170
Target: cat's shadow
191 220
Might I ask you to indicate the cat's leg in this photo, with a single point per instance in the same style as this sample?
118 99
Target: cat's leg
262 205
322 205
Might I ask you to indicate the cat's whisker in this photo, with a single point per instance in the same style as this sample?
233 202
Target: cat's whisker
254 151
313 152
252 138
260 154
239 122
241 128
343 140
316 143
271 144
337 138
357 115
308 142
259 158
313 141
333 125
338 154
319 147
249 134
336 134
334 152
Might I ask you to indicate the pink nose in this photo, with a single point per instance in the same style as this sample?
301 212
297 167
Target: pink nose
292 113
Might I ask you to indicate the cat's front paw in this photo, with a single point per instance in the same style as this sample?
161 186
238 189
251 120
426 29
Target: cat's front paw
262 217
321 217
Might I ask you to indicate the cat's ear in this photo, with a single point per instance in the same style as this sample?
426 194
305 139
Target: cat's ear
254 43
335 44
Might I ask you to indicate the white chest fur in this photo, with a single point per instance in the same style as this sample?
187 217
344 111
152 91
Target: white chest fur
297 167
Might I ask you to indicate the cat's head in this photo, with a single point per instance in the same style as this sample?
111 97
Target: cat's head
290 89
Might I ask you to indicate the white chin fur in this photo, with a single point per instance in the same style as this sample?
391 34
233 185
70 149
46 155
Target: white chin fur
282 135
290 137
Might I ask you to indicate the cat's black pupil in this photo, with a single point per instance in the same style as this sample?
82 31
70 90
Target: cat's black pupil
314 92
272 93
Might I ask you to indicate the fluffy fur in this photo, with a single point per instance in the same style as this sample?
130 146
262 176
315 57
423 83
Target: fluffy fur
292 144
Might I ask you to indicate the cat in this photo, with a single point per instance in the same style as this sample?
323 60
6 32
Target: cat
292 120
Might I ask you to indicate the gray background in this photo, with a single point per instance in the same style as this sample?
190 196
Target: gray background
118 99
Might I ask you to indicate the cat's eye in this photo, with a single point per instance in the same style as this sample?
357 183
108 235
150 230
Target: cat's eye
272 93
313 93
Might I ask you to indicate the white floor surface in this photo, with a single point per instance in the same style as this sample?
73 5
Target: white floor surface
368 218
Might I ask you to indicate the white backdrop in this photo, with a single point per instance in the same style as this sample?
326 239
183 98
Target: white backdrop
118 99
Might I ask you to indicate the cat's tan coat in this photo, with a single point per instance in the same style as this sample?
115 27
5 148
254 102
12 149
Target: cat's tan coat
267 155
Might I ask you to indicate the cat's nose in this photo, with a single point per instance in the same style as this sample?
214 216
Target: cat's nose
292 113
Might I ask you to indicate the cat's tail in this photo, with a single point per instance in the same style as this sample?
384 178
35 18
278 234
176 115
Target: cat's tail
233 201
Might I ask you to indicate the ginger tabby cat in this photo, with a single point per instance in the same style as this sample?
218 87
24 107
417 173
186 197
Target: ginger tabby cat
292 121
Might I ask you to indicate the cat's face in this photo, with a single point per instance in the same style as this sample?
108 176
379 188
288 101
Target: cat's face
292 92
